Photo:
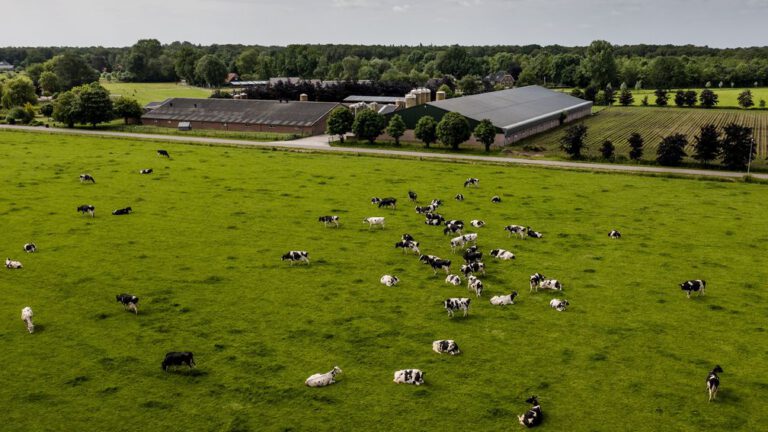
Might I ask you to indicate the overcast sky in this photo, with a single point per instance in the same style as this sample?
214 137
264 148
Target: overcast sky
717 23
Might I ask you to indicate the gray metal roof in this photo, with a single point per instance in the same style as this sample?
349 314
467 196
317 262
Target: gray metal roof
514 108
377 99
246 111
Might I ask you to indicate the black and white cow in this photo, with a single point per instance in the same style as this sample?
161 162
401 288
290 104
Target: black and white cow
424 209
12 264
388 202
434 216
407 237
517 230
713 382
457 242
447 346
614 234
697 285
472 255
436 203
409 376
504 300
407 245
145 171
533 416
375 200
473 267
87 177
502 254
496 199
475 285
459 197
454 280
452 229
294 256
470 238
535 279
122 211
389 280
129 301
30 247
440 264
87 208
471 182
432 222
326 220
533 234
413 196
458 222
178 359
455 304
374 220
477 223
558 304
163 153
26 316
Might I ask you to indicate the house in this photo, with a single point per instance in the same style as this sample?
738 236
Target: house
6 67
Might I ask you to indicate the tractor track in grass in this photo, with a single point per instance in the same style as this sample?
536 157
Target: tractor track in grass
320 144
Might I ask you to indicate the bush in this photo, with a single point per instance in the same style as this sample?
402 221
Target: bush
607 150
18 115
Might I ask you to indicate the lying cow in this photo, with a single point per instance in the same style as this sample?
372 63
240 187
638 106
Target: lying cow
454 304
374 220
87 177
459 197
472 181
434 216
122 211
496 199
163 153
550 284
294 256
473 267
424 209
178 359
614 234
409 376
129 301
26 316
389 280
558 304
11 264
145 171
87 208
713 381
502 254
477 223
534 234
322 380
475 285
454 280
447 346
30 248
326 220
533 416
436 203
504 300
694 286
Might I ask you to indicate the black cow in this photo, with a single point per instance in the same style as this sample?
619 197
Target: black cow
163 153
472 255
533 416
178 359
694 285
86 177
87 208
122 211
146 171
713 382
412 196
129 301
388 202
329 220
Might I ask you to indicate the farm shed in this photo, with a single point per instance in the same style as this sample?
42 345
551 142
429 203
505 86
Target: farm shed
517 113
303 118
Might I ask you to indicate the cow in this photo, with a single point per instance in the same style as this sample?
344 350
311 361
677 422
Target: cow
26 316
454 280
533 234
502 254
87 208
145 171
425 209
517 230
713 381
475 285
535 279
459 197
432 222
409 376
436 203
434 216
454 304
448 346
473 267
122 211
375 200
452 229
294 256
129 301
389 280
470 238
11 264
471 182
496 199
477 223
388 202
87 177
504 300
329 220
426 259
614 234
407 237
459 223
558 304
322 380
412 196
178 359
374 220
533 416
440 264
163 153
30 247
457 242
697 285
407 245
472 255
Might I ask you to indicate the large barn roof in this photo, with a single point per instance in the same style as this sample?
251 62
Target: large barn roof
513 108
246 111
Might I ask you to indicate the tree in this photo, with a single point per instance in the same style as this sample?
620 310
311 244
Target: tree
470 84
636 145
600 64
644 102
453 130
368 125
680 98
485 132
126 108
18 114
340 122
72 70
396 128
762 103
745 99
18 91
607 150
690 98
671 150
426 130
573 140
447 89
95 104
184 63
708 145
626 98
661 97
210 70
49 82
351 66
737 141
66 108
708 98
610 95
46 110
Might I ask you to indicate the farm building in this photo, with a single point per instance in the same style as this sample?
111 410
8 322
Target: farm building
303 118
517 113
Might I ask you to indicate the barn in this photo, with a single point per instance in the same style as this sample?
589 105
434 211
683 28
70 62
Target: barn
296 117
517 113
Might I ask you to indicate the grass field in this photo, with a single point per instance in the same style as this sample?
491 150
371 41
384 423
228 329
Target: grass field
653 124
154 92
202 250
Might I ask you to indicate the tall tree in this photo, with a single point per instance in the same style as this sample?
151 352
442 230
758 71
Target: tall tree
340 122
72 70
368 125
737 142
626 98
708 98
708 144
671 150
600 64
573 140
18 91
690 98
49 82
680 98
485 132
66 108
95 104
426 130
636 142
470 84
745 99
210 70
661 97
184 63
608 150
453 130
127 108
396 128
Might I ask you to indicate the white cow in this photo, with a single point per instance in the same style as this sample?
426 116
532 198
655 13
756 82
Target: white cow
11 264
558 304
504 300
322 380
375 220
453 280
389 280
502 254
477 223
457 242
26 316
476 285
409 376
551 284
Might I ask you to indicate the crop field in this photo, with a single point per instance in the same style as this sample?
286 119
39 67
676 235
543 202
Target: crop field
154 92
202 251
618 123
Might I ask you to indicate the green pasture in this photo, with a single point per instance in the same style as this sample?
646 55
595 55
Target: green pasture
154 92
727 97
202 251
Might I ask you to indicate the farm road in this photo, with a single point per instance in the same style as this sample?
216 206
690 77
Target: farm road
321 143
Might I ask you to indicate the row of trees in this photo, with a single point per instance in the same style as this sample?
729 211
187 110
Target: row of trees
688 98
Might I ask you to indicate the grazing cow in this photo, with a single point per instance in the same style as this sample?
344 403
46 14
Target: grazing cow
713 381
389 280
446 346
409 376
533 416
374 220
459 197
694 285
453 304
388 202
26 316
375 200
426 259
477 223
412 196
122 211
87 177
145 171
457 242
517 230
471 182
533 234
476 285
329 220
502 254
472 254
536 278
87 208
11 264
454 280
504 300
407 237
452 229
130 302
294 256
558 304
457 222
473 267
178 359
436 203
496 199
425 209
470 238
614 234
163 153
440 264
30 247
408 245
322 380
